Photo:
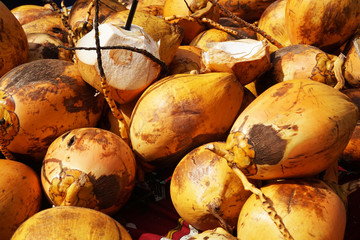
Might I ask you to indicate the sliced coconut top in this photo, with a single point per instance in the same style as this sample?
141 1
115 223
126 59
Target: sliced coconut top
234 49
124 69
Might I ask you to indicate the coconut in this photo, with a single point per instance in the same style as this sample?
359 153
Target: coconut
248 59
210 35
14 48
214 234
42 99
248 10
20 195
293 129
46 46
89 167
307 208
206 192
352 64
186 59
177 12
71 223
167 35
49 24
82 14
182 111
127 72
331 26
272 21
27 13
302 61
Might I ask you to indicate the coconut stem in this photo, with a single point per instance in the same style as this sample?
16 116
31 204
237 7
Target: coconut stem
265 202
248 25
338 71
223 223
350 186
131 15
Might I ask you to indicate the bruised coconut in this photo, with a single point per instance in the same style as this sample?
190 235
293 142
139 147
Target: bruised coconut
248 59
89 167
293 129
127 72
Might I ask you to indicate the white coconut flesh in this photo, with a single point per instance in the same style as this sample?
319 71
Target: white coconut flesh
233 51
124 69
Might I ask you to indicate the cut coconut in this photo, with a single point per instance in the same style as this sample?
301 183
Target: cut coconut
127 72
246 58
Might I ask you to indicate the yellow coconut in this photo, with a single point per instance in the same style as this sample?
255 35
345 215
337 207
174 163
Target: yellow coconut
210 35
44 45
331 26
127 72
293 129
27 13
20 195
89 167
168 36
248 59
177 12
41 100
14 48
82 14
308 209
352 64
71 223
248 10
206 192
182 111
154 7
272 21
49 24
186 59
302 61
350 158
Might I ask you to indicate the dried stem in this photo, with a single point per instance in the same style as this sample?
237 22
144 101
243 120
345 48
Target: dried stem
265 202
246 24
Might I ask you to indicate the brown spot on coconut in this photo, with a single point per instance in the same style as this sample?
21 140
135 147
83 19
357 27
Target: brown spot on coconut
127 72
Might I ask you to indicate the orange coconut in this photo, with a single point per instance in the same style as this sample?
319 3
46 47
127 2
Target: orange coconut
177 11
20 195
248 10
89 167
272 21
44 45
206 192
210 35
182 111
352 64
293 129
71 223
27 13
42 99
308 209
302 61
81 20
14 48
331 26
